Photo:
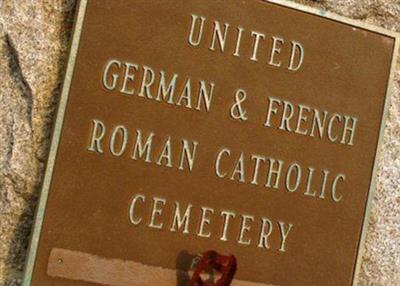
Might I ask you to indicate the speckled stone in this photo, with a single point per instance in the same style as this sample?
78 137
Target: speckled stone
34 36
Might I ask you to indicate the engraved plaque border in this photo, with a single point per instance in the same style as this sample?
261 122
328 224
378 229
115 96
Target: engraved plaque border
79 21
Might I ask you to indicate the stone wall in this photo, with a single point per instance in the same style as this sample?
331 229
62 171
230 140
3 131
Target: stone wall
34 36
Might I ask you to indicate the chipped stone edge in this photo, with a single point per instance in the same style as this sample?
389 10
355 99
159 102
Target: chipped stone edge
30 263
285 3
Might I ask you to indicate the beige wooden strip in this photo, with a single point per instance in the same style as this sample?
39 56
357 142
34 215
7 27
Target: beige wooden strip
75 265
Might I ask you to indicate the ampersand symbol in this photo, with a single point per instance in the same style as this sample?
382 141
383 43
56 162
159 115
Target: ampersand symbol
237 110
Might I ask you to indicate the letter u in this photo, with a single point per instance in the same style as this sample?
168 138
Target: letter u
192 41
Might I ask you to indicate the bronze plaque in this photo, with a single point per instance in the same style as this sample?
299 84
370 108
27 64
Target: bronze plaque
246 127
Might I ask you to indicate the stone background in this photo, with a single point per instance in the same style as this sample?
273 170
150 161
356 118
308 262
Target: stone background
34 36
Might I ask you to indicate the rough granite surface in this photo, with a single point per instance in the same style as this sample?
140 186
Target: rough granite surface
34 38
